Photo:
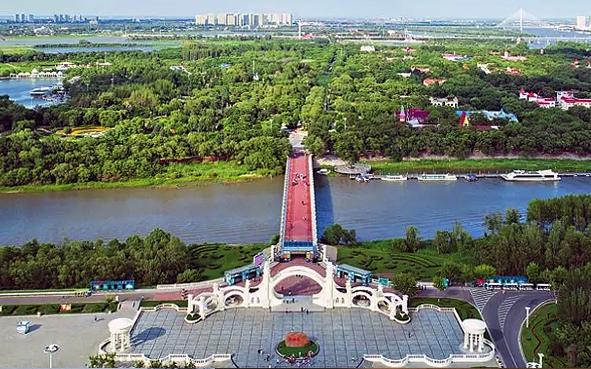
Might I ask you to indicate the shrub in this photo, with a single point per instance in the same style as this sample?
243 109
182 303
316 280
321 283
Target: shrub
49 308
193 317
402 317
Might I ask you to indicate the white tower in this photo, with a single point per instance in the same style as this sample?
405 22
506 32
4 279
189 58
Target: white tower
299 30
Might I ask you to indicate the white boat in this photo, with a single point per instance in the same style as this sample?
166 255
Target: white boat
323 172
362 178
40 91
394 178
437 177
531 176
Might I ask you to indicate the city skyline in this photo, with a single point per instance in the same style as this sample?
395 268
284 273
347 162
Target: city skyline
456 9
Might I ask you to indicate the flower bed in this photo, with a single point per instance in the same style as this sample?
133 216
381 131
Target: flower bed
297 352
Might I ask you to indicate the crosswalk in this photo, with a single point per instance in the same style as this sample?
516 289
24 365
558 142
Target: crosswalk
505 307
481 296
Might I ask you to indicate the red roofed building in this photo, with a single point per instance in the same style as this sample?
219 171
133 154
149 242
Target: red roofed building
513 72
543 102
414 117
432 81
465 122
566 100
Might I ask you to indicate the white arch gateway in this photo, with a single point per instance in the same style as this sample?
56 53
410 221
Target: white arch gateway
263 295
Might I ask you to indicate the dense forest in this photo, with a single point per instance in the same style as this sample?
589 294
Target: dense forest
234 99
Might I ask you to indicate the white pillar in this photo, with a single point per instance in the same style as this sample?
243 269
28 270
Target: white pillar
191 303
265 286
349 298
329 286
247 293
373 302
202 307
114 342
466 340
393 308
404 305
481 342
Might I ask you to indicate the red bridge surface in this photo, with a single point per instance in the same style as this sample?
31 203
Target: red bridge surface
298 211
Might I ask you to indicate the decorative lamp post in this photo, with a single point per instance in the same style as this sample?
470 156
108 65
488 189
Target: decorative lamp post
51 349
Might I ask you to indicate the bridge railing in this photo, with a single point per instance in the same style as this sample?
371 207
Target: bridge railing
284 204
312 201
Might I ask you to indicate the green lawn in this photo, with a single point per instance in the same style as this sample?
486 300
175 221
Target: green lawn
45 309
154 303
296 351
214 259
380 258
536 338
479 165
465 310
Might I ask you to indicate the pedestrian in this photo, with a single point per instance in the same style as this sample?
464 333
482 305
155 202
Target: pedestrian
259 351
95 319
268 357
302 309
307 311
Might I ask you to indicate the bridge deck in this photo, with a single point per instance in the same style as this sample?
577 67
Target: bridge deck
298 212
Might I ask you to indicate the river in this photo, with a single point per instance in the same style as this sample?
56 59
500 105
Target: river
19 90
249 212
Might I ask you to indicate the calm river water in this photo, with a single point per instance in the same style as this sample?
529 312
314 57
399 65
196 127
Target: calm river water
19 90
250 212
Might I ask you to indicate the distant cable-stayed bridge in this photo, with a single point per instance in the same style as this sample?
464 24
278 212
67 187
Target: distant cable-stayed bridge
523 19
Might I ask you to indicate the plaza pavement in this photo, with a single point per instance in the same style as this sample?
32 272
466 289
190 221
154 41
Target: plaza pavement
343 335
78 336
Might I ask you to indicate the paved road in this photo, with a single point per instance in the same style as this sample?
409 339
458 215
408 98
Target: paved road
504 314
48 299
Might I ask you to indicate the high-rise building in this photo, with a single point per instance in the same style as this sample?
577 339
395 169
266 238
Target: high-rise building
244 19
32 18
17 18
23 18
56 18
581 22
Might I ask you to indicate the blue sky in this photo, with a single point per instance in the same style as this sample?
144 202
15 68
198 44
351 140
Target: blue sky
305 8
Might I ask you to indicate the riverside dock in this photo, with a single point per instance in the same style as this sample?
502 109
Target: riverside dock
478 175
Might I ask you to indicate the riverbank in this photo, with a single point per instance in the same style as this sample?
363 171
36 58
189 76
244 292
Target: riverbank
177 175
493 165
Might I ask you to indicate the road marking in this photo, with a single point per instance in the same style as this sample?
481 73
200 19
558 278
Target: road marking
504 309
481 296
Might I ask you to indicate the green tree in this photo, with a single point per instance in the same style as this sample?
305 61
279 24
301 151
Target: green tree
405 283
533 272
484 271
439 283
451 271
411 238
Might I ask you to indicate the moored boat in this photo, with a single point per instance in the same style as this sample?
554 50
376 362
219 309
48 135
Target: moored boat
362 178
531 176
394 178
471 177
437 177
40 91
